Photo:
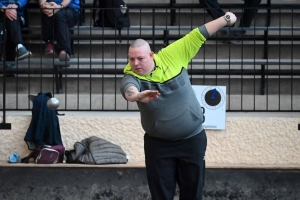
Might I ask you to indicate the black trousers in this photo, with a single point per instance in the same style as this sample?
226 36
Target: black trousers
179 162
13 36
57 27
215 11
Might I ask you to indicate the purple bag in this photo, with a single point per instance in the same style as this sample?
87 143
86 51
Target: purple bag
49 154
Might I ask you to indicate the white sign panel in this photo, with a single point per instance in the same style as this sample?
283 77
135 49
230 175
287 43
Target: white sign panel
213 102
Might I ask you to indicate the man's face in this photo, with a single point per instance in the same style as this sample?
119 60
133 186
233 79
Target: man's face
141 60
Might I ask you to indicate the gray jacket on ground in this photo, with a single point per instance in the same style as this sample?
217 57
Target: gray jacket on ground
95 150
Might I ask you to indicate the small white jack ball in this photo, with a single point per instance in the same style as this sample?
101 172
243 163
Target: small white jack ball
53 103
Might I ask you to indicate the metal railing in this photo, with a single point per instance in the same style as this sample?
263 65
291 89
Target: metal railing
261 73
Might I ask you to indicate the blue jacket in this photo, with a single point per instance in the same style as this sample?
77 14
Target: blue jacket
44 126
20 3
73 3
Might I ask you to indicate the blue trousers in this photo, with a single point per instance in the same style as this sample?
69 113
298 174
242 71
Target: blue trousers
179 162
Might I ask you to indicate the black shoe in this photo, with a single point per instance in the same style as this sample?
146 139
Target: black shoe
224 34
9 66
23 53
63 56
237 36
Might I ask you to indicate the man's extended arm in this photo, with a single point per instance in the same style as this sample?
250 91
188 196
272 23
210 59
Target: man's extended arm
215 25
132 94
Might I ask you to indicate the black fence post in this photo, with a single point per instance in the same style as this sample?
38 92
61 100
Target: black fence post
266 44
173 12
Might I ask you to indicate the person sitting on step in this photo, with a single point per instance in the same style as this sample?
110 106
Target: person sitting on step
57 17
12 18
214 10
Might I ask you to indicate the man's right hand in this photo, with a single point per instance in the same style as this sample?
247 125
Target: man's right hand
232 18
217 24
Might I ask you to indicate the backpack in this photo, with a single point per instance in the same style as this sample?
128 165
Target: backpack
111 13
47 154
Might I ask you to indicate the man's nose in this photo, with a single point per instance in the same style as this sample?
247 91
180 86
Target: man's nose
136 62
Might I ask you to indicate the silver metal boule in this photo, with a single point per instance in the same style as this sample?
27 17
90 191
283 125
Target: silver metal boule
53 103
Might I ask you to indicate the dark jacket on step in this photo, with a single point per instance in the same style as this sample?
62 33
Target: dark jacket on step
44 125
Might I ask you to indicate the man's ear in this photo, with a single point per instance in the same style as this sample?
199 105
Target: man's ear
31 97
151 54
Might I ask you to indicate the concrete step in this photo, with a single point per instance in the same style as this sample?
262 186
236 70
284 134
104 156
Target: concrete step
187 17
114 65
210 50
131 183
110 84
117 102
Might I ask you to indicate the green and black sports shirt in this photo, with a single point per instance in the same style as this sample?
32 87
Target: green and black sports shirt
176 114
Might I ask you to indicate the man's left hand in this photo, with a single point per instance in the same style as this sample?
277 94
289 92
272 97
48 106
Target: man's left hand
148 95
11 12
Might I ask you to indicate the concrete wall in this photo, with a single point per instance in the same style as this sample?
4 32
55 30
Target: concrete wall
131 184
260 139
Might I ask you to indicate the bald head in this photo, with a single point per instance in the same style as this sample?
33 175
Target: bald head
141 57
141 43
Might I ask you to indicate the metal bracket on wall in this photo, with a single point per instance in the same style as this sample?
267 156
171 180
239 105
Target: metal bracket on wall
5 126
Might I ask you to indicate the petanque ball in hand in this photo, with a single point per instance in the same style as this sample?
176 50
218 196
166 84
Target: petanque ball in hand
53 103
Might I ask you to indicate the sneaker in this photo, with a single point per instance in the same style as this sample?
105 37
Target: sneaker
23 53
63 56
48 49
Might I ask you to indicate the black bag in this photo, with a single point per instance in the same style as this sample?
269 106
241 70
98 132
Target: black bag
111 13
